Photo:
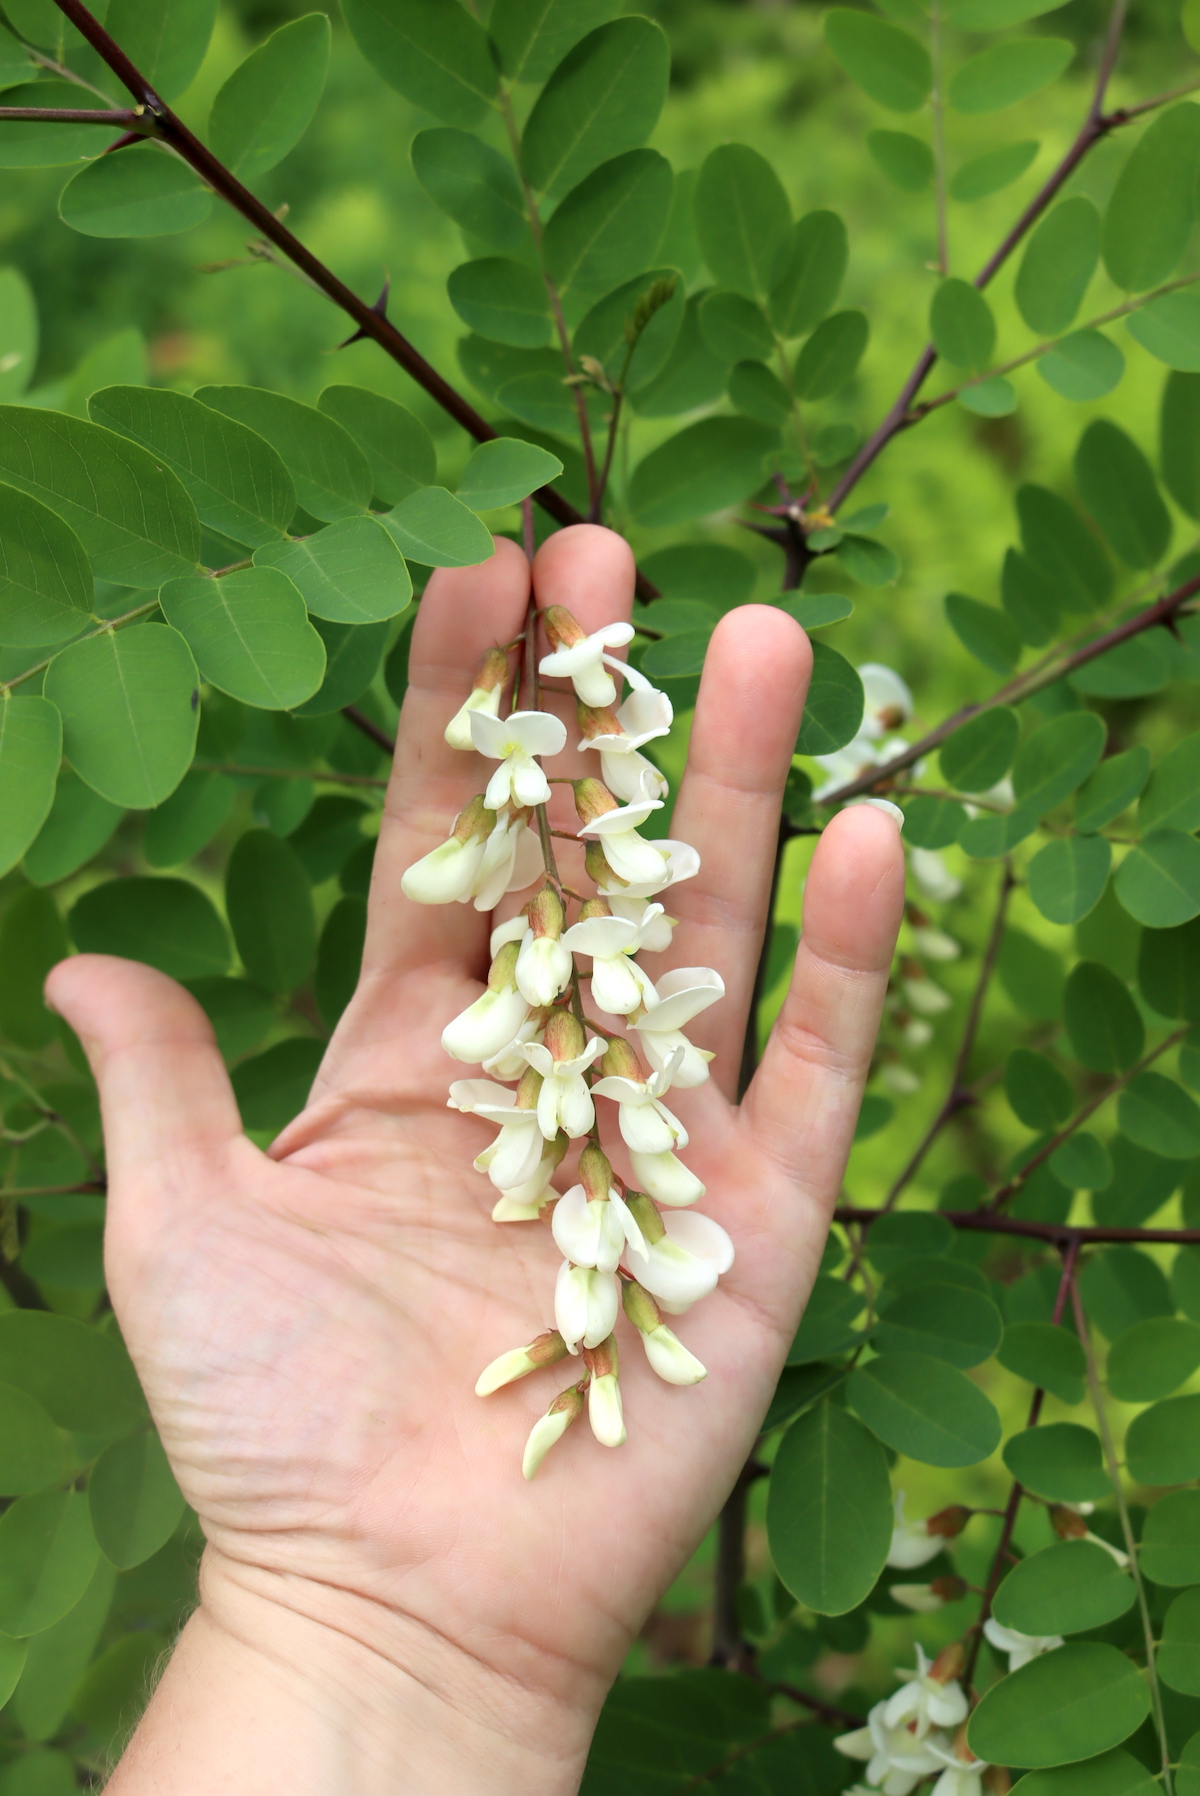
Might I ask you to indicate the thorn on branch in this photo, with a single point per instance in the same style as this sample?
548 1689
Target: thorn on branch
380 311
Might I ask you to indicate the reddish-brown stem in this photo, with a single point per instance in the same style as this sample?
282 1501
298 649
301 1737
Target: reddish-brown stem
1054 1234
362 722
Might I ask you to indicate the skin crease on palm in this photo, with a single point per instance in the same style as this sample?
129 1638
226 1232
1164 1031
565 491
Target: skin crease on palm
386 1603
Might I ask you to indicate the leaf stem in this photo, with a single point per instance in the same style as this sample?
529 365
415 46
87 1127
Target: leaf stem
1055 1234
108 624
939 136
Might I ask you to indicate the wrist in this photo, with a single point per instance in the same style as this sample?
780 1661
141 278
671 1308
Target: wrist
279 1682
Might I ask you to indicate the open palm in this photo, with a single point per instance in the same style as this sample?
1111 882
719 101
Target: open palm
309 1323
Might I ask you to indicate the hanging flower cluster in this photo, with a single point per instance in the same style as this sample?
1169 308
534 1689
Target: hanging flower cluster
531 1030
921 1732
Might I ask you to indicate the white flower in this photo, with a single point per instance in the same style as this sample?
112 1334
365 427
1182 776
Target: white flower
670 1358
926 997
888 703
581 658
646 1125
544 1350
679 861
666 1179
619 985
449 872
630 856
491 1022
926 1700
512 859
912 1543
932 875
543 969
512 931
922 1599
514 741
510 1062
525 1203
861 752
605 1412
682 995
964 1772
550 1428
644 716
1021 1648
562 1059
896 1759
515 1155
934 944
900 1079
686 1262
916 1033
595 1231
656 930
485 696
585 1305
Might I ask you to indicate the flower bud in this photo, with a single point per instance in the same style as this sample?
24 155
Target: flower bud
597 868
563 630
620 1061
1068 1524
551 1427
485 695
603 1360
925 1599
545 913
545 1350
529 1086
564 1036
605 1412
640 1307
996 1781
670 1358
949 1663
645 1214
595 907
597 720
595 1173
666 1178
502 975
948 1522
474 822
592 799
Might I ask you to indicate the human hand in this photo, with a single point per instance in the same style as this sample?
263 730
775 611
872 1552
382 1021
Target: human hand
309 1323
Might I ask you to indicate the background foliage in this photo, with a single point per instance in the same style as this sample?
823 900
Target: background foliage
218 821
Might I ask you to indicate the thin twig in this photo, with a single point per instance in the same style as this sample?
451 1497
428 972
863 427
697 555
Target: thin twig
1054 1234
937 108
107 624
362 722
119 118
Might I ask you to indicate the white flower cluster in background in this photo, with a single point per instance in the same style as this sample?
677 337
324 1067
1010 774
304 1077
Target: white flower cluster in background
531 1031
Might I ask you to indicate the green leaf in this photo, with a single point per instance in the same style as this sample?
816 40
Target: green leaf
833 710
1062 548
1162 1445
47 1556
993 171
1060 1708
734 328
32 940
18 334
501 299
958 1326
187 821
31 1448
143 192
533 36
167 923
1084 365
34 145
1185 1281
117 360
397 445
1170 1549
1060 1461
1082 1163
758 393
995 398
250 634
898 1237
1172 799
30 750
904 159
1178 1656
1119 489
129 705
45 577
81 1376
339 958
608 227
1153 1358
1057 267
67 1259
437 57
1105 1029
809 273
1120 1287
981 751
1009 72
706 466
433 527
133 1499
133 517
827 1325
1038 1093
707 573
603 98
690 376
961 325
1130 670
234 478
1056 759
350 573
829 1510
79 824
988 634
1158 1115
890 65
112 1691
330 832
832 354
353 653
474 184
1187 1782
266 105
1179 441
933 822
1050 1358
743 219
1113 787
269 902
166 39
1169 328
273 1087
1068 1588
997 15
57 1658
1030 599
678 654
1149 216
1067 878
505 470
1159 881
654 1734
240 1013
1113 1774
1169 971
925 1409
602 333
330 471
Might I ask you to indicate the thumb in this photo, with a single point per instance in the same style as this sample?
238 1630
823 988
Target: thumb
165 1096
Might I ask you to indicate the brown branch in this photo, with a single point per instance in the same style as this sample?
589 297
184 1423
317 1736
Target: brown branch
1055 1234
362 722
957 1095
1018 689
